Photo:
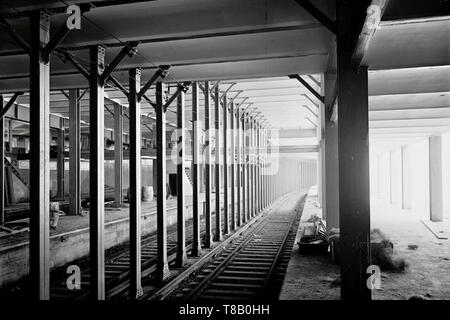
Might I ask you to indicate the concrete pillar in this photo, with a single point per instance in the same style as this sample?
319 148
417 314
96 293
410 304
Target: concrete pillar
436 175
406 178
118 154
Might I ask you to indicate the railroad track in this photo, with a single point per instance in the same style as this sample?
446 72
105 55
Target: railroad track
253 266
117 266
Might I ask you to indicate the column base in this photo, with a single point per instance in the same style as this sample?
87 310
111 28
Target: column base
181 259
163 273
196 251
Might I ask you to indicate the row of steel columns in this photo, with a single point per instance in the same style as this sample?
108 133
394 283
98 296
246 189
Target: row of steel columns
253 186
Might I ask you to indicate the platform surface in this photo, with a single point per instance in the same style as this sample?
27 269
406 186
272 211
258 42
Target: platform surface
310 277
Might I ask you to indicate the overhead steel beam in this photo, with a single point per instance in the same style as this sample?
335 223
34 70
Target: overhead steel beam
374 15
208 166
96 174
160 73
135 184
318 15
181 88
162 267
307 86
181 193
39 158
55 40
196 131
129 49
9 104
15 35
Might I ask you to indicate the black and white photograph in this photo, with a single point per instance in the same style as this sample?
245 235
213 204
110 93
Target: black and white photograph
224 158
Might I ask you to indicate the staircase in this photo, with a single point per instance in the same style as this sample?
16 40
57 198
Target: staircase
15 171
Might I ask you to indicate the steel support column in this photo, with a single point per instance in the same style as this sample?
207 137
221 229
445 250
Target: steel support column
60 164
248 167
353 157
181 198
196 130
218 231
2 164
118 154
162 267
244 168
135 183
232 167
39 157
74 152
226 220
96 173
208 166
238 168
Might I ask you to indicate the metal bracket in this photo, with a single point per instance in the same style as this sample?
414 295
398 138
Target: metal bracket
161 72
128 50
9 103
15 35
59 36
307 86
318 15
184 87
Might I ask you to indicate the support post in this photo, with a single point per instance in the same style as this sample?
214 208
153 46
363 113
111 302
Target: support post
96 173
39 157
248 167
244 167
232 167
162 268
238 167
226 220
436 174
196 242
135 183
2 165
74 153
218 232
181 197
208 166
330 203
118 154
60 164
406 178
353 146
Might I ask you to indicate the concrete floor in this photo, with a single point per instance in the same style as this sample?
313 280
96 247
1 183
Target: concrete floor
427 275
